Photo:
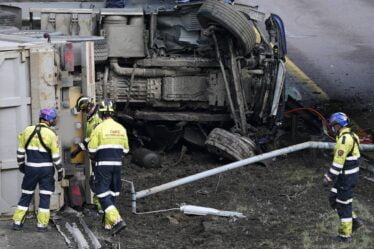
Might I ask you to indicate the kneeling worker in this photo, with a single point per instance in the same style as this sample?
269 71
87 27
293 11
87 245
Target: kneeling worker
108 144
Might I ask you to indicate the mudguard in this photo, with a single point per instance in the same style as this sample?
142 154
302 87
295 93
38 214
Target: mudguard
282 32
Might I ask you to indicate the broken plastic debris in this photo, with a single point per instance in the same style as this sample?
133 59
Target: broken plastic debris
197 210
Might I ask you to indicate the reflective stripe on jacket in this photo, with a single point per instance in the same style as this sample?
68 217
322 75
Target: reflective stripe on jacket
35 155
108 143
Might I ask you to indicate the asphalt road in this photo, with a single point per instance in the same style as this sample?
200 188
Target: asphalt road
332 41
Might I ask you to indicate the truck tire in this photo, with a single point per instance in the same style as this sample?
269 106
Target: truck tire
8 19
101 51
231 146
234 21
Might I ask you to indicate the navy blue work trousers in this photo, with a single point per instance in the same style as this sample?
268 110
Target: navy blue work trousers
107 184
342 193
44 176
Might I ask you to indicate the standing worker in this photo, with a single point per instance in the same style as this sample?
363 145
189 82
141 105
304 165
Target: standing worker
344 174
38 155
108 144
92 111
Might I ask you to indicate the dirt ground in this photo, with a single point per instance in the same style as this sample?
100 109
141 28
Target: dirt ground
284 203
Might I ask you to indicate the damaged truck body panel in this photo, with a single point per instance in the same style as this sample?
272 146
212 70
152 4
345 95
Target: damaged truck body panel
28 83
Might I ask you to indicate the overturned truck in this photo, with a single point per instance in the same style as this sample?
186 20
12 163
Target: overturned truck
208 72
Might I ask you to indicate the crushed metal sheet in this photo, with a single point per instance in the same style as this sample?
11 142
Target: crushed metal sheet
67 240
77 235
91 235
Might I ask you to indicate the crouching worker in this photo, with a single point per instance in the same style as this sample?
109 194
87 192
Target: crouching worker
38 155
108 144
343 173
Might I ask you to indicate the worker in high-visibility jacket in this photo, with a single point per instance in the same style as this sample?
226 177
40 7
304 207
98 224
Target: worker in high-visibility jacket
38 155
344 174
85 105
108 144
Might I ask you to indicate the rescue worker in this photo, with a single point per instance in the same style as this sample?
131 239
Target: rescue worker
38 155
108 144
343 173
85 105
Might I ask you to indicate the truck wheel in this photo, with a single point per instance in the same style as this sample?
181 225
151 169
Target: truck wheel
7 18
231 146
225 15
101 50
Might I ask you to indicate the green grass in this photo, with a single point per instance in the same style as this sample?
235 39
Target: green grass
300 174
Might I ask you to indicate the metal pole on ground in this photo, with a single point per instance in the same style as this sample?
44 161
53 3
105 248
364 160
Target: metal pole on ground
241 163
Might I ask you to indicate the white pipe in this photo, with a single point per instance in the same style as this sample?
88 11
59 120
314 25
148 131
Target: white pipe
241 163
133 195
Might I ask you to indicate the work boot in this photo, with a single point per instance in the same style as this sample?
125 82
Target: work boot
105 223
41 229
341 239
43 220
17 227
118 227
19 218
356 224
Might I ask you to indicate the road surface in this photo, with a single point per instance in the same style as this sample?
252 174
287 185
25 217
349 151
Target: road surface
332 42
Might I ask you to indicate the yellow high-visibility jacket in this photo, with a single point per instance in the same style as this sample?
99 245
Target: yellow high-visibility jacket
92 121
346 150
108 143
39 153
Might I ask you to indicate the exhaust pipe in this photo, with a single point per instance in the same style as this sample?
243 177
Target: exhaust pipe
151 72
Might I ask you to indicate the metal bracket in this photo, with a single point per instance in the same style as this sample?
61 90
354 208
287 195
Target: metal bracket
74 22
24 55
52 20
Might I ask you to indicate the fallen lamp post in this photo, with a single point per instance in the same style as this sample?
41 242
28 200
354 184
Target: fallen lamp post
227 167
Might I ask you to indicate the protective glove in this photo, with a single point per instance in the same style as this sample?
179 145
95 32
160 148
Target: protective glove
75 152
326 181
60 174
21 168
